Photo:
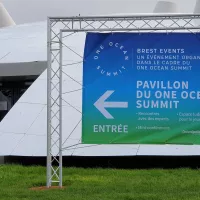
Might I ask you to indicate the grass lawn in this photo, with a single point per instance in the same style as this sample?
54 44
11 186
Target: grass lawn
101 184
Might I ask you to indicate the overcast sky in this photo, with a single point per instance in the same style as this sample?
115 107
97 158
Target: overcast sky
23 11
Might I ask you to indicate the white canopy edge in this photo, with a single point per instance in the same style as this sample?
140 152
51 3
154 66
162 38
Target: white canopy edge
22 69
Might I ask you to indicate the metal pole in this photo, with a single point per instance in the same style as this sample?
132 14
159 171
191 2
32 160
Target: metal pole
48 184
132 17
131 29
60 112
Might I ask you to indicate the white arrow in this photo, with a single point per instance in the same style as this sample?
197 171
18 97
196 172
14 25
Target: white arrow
101 104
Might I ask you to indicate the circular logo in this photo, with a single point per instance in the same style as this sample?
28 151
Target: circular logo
111 59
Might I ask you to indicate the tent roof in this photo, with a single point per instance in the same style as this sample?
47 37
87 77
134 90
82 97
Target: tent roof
23 49
23 43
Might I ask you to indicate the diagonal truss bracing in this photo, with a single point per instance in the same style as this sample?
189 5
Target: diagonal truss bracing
60 29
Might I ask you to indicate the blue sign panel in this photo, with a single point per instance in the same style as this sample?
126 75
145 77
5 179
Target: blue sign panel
141 88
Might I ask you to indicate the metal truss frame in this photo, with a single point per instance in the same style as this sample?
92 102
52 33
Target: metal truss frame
71 25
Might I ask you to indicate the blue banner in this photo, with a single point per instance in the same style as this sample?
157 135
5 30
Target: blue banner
141 88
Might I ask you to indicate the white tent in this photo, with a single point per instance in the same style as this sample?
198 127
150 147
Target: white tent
23 130
166 7
24 49
5 18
